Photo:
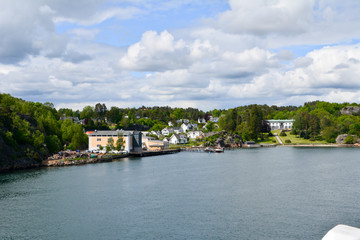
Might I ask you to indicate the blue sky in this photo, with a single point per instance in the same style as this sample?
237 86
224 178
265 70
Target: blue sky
190 53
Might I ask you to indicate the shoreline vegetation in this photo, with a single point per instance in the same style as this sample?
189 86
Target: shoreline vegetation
31 131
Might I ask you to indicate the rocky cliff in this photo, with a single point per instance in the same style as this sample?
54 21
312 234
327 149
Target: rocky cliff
350 110
15 159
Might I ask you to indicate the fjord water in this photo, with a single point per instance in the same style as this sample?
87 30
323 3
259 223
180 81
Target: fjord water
268 193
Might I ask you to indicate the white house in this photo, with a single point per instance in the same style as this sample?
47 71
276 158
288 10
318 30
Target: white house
157 133
185 127
214 119
201 120
281 124
188 127
195 134
183 121
170 124
178 139
167 131
178 130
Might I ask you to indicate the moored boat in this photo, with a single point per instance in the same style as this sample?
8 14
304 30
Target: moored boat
219 150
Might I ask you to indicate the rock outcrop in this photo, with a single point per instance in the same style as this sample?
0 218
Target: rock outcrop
224 139
350 110
10 159
341 138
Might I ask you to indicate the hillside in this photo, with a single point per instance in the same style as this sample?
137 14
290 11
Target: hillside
31 131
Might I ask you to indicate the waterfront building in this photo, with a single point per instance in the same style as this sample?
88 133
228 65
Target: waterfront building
281 124
132 139
151 144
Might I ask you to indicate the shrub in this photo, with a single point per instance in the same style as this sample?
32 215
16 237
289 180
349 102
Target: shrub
304 135
294 132
287 141
270 134
349 139
283 134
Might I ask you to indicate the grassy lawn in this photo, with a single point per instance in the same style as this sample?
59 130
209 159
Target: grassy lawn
268 140
296 140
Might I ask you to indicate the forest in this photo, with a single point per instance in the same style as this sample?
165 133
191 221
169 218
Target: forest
36 130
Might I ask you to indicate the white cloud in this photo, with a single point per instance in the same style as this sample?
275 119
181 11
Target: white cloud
329 74
155 52
99 17
249 57
267 17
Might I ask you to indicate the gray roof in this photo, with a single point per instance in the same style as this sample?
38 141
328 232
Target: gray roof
280 120
112 133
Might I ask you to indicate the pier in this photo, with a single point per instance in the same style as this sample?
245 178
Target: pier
153 153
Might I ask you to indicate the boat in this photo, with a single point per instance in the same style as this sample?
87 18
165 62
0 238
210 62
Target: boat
219 150
214 150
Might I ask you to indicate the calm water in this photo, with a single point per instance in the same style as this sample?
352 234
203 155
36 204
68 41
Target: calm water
275 193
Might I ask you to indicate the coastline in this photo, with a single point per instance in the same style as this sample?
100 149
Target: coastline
104 158
111 158
330 145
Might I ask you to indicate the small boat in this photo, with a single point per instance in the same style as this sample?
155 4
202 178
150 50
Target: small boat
219 150
208 149
214 150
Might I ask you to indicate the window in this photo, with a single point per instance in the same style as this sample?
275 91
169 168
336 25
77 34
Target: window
99 139
98 145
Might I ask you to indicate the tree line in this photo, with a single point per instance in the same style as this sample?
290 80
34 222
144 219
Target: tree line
35 129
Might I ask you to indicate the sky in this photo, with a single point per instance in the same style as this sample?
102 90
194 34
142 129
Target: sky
204 54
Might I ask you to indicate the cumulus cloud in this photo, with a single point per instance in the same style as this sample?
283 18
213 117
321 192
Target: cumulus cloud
50 51
155 52
24 27
320 77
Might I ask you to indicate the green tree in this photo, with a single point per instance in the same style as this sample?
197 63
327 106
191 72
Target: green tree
254 120
53 143
227 121
119 142
329 134
114 115
100 110
111 143
87 112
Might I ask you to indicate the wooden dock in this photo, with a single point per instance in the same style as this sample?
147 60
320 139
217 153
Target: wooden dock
153 153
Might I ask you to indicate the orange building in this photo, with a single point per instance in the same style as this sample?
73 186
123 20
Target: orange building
131 139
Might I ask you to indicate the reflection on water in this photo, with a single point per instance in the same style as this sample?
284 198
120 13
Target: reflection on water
273 193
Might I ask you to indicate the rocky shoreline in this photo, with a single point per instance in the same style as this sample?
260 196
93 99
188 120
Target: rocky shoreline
71 162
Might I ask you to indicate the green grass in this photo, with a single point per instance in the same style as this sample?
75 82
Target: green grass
268 140
296 140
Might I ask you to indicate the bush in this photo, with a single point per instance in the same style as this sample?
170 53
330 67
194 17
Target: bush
304 135
349 139
294 132
283 134
270 134
287 141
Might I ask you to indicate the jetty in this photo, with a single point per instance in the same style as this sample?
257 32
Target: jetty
153 153
100 158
